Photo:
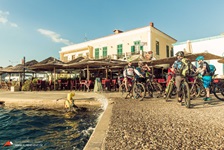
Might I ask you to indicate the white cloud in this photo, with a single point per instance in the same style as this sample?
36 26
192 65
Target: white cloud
4 19
13 25
54 36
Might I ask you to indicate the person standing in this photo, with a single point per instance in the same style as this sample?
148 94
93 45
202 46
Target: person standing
180 67
203 69
142 69
129 74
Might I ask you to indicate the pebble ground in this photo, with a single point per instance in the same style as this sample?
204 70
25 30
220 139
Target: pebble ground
156 124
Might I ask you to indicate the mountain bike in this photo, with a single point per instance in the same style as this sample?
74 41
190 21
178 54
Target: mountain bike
184 89
185 93
216 88
171 89
195 86
136 90
153 88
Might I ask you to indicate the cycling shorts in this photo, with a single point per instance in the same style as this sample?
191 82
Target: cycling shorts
206 81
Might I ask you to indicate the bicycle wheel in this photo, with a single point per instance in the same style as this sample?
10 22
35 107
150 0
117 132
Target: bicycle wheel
122 90
149 89
174 91
169 91
138 91
186 94
219 91
157 89
203 91
195 91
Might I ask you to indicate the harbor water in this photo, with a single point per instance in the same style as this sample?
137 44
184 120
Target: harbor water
46 129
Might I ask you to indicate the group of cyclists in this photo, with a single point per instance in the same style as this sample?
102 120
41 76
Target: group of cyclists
182 67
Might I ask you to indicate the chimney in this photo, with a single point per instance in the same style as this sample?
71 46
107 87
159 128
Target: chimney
116 31
151 24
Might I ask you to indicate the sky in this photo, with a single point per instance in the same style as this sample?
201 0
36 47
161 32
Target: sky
38 29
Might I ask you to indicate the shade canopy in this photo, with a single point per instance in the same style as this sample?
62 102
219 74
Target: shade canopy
78 59
7 69
48 64
20 68
221 60
94 63
191 57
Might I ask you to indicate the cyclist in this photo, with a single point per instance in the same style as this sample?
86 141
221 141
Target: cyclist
142 69
180 73
129 73
146 70
206 77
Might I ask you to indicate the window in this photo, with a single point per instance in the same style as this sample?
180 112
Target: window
136 42
167 51
132 49
73 57
138 47
97 52
104 52
157 47
171 53
119 50
141 48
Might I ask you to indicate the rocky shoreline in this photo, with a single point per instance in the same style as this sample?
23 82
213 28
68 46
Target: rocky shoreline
156 124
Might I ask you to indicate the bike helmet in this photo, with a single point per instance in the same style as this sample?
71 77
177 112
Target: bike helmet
180 53
200 58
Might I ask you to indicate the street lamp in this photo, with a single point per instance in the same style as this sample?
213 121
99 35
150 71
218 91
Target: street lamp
24 65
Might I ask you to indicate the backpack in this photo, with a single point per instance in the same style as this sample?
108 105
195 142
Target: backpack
210 69
186 66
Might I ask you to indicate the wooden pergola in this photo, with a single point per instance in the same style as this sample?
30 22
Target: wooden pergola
95 64
48 64
191 57
221 60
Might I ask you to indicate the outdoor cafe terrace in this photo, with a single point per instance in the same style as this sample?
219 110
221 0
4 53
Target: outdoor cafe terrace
81 73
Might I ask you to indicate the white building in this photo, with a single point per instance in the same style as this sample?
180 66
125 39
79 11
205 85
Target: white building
214 45
122 45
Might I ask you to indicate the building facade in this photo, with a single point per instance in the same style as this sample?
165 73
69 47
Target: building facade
121 45
214 45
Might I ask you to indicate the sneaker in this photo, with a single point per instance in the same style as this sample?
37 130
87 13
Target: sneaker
207 99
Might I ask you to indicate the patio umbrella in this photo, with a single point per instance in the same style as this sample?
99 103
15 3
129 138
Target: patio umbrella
48 64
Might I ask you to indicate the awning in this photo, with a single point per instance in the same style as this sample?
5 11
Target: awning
191 57
221 60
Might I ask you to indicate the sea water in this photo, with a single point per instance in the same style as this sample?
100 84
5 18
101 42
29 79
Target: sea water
46 129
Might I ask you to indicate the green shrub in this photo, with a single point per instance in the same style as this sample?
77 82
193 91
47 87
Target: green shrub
26 85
